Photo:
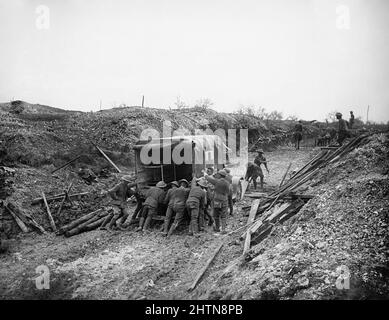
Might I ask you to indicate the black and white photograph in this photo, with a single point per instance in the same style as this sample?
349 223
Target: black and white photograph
208 152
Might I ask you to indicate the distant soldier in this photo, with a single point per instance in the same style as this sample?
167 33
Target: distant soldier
252 173
259 160
352 120
343 132
178 208
222 200
298 134
155 196
119 194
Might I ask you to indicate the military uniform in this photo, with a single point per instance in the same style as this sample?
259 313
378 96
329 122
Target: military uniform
196 202
221 201
154 197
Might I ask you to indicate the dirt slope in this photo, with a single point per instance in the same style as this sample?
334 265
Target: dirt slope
345 225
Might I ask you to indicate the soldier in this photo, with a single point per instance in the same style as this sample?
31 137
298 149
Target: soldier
352 120
222 199
180 196
169 201
252 173
298 134
155 196
119 194
260 159
139 205
342 129
197 200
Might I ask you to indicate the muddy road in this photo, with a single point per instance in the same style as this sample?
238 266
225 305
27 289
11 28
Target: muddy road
129 265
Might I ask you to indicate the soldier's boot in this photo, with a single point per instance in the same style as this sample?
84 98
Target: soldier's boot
201 223
172 228
224 225
147 223
190 231
216 227
165 227
141 222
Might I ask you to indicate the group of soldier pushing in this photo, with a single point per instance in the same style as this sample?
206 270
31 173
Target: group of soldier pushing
207 197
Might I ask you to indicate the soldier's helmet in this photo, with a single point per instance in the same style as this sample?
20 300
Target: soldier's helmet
227 170
161 184
185 181
223 173
260 151
127 178
202 183
338 114
174 183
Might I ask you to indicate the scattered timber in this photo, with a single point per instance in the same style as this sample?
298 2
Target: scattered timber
66 164
59 197
49 213
204 269
108 159
77 222
18 221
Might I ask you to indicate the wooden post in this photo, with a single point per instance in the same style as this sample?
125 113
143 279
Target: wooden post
66 164
247 242
108 159
66 196
204 269
143 101
19 222
162 172
49 213
253 211
286 172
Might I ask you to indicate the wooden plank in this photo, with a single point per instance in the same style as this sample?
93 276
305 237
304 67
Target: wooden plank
19 222
253 211
286 172
64 198
247 242
49 213
204 269
58 197
108 159
244 185
66 164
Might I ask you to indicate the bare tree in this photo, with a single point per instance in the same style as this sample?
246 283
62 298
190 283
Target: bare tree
180 104
204 103
274 115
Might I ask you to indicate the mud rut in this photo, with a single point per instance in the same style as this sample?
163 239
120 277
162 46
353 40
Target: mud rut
129 265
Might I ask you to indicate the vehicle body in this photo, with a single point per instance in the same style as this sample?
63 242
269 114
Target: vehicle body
179 157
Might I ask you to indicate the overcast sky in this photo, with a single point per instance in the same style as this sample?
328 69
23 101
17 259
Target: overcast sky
301 57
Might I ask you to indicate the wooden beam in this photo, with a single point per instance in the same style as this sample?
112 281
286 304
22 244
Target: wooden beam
49 213
64 198
286 172
247 242
66 164
58 197
204 269
108 159
253 211
19 222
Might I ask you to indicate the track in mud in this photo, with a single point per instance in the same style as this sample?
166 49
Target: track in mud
128 265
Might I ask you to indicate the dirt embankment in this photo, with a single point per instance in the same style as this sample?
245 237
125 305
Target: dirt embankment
36 135
341 233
